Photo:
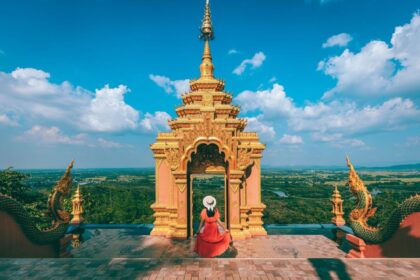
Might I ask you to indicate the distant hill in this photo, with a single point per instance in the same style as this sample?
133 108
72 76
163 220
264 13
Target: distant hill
401 167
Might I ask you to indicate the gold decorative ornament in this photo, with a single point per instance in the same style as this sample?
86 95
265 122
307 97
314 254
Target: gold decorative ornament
337 208
78 211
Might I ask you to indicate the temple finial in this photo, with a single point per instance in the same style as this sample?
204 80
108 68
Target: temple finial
206 67
206 25
348 162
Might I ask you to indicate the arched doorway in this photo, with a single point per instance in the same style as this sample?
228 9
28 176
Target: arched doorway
208 161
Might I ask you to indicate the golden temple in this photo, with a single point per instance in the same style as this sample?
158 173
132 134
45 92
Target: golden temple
207 137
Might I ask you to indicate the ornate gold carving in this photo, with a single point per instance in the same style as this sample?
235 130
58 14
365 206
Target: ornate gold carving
357 186
244 157
207 100
172 156
337 208
61 189
78 211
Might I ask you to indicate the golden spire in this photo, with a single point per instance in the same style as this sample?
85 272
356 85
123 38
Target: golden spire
206 25
337 208
207 81
77 207
206 67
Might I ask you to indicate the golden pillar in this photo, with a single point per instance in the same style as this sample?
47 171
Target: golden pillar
244 210
77 212
181 227
256 207
235 226
161 205
337 208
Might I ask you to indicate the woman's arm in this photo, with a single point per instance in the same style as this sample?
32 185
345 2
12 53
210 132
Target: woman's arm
221 224
200 226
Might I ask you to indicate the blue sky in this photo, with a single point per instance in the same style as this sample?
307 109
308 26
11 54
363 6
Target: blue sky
320 78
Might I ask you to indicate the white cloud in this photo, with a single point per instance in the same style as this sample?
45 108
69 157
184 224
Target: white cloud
413 141
5 120
348 118
108 144
27 92
273 79
338 139
333 121
291 140
109 112
379 69
29 96
54 135
155 122
272 103
255 62
232 51
177 87
340 40
265 131
51 135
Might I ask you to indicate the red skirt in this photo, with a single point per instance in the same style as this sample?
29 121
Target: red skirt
210 249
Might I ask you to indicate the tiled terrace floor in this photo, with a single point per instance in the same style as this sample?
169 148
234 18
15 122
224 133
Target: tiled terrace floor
116 243
126 254
210 269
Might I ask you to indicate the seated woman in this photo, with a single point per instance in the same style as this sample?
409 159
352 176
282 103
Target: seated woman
212 240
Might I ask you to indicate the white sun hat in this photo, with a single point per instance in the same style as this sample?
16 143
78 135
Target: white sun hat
209 202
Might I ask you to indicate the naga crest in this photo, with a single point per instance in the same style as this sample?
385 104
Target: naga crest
363 209
55 200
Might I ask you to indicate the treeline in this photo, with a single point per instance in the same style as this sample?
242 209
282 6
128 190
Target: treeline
307 201
108 204
12 183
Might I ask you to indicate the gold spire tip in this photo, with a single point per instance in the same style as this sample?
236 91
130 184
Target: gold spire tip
206 25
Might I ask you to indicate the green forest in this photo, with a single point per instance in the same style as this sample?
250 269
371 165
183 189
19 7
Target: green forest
124 196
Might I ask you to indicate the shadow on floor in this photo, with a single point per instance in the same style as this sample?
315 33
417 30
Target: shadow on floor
324 268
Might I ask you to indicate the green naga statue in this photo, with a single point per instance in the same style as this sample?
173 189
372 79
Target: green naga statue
60 216
360 214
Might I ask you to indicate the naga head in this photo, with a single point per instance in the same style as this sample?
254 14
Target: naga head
55 200
363 209
64 184
355 183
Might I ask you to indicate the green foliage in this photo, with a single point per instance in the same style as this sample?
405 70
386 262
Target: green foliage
12 183
125 196
309 195
208 186
106 204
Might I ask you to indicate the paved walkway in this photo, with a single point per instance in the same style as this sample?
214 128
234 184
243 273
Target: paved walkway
117 243
126 254
209 269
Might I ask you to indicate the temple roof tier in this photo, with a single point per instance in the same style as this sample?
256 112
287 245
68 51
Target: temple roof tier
226 110
207 84
197 97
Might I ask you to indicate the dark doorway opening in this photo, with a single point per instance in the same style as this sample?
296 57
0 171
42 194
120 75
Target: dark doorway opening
202 186
206 175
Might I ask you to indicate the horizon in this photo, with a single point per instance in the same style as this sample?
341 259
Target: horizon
284 167
96 81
